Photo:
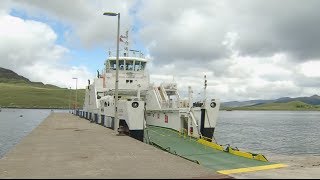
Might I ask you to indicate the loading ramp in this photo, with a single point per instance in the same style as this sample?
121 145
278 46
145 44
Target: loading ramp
208 154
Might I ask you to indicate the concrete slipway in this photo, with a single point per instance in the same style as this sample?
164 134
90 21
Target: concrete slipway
66 146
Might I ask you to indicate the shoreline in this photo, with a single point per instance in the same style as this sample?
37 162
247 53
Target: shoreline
299 166
4 107
268 110
33 108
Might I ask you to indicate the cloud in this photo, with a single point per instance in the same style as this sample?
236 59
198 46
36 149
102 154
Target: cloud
189 30
29 48
311 69
181 31
251 49
247 49
87 25
268 27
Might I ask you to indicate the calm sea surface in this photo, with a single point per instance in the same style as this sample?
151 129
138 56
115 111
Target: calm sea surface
13 127
271 132
268 132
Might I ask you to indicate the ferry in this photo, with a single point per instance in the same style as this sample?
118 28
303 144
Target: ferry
158 115
141 103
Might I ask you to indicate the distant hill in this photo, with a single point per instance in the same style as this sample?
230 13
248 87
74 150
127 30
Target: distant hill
8 76
244 103
291 106
312 100
19 92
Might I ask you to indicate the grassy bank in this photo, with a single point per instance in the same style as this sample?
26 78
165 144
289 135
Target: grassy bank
21 95
290 106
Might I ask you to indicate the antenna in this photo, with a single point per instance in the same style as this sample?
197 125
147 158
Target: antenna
205 89
127 43
190 96
126 47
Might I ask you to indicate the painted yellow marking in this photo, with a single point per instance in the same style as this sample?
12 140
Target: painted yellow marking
258 157
213 145
251 169
210 144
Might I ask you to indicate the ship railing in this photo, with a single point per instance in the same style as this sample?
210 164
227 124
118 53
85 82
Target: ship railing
174 104
130 53
183 103
143 71
163 93
157 94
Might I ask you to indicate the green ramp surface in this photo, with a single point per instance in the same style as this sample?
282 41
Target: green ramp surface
189 148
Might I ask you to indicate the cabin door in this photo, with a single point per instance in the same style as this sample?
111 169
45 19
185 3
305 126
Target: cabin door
184 124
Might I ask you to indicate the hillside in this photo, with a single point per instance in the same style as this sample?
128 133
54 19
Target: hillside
232 104
19 92
312 100
28 96
8 76
290 106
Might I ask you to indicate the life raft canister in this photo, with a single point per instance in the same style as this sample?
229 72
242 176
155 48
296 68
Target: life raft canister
191 130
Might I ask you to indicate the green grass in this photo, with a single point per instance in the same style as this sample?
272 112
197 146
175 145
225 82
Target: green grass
22 95
290 106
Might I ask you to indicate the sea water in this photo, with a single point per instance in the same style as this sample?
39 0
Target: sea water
267 132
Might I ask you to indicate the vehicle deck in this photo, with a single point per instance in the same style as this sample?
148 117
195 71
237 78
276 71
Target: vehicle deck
189 148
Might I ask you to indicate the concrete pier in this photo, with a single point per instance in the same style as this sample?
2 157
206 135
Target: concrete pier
66 146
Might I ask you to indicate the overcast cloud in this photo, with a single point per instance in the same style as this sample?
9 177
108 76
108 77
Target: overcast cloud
248 49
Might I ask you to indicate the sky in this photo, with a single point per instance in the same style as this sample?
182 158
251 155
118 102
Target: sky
247 49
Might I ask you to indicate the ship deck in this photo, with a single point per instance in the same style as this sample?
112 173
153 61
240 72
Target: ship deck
217 160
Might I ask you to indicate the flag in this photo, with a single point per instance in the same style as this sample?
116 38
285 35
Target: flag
122 36
121 39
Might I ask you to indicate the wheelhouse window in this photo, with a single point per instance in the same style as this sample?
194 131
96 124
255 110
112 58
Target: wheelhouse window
143 65
112 64
121 64
139 65
129 65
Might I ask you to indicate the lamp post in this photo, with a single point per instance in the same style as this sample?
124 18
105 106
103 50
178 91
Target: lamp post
76 103
70 100
117 71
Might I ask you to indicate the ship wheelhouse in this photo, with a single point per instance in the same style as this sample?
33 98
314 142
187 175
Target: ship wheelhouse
133 76
126 64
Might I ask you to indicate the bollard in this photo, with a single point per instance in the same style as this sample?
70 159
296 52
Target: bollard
102 120
96 118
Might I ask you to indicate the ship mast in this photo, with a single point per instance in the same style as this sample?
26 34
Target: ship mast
205 89
126 42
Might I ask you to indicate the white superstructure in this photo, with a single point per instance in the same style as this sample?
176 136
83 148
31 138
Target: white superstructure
140 103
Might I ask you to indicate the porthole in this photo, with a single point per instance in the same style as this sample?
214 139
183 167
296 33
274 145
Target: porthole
213 104
135 104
